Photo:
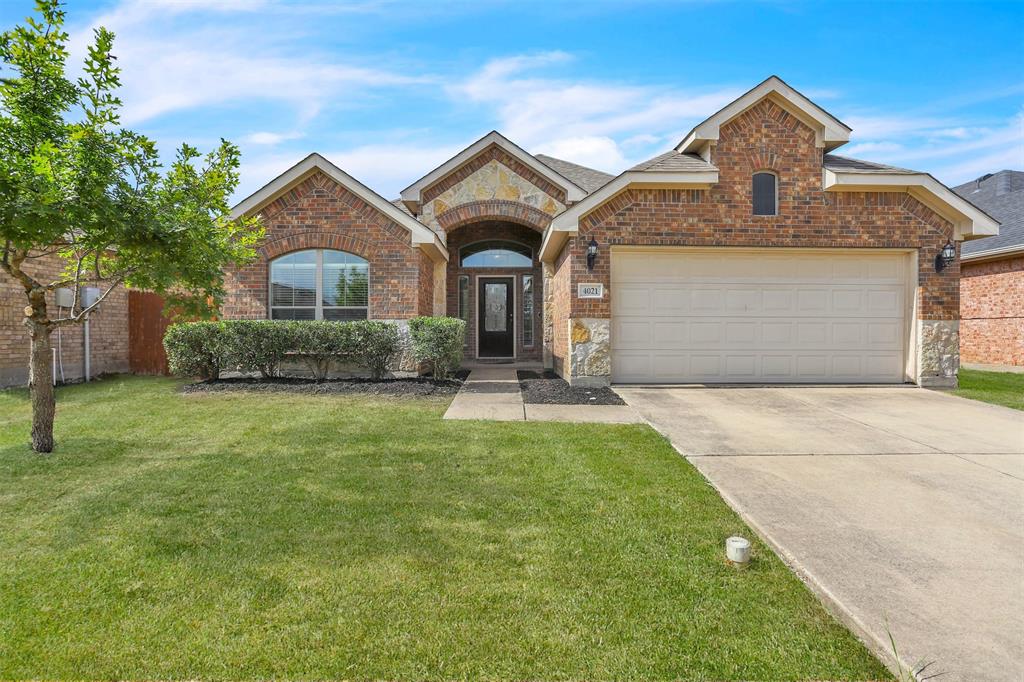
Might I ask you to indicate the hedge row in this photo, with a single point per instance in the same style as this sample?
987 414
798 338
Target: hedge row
205 349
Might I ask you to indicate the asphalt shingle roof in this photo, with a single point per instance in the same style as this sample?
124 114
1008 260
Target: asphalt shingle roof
1001 195
588 179
674 161
844 163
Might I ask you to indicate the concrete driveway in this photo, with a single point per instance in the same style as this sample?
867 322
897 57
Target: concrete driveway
902 508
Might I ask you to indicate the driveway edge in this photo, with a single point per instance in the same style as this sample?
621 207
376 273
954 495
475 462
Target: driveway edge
880 648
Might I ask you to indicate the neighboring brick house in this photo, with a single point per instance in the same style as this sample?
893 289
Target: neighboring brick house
749 253
992 275
108 331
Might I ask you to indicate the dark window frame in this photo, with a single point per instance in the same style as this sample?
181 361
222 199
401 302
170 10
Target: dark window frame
476 248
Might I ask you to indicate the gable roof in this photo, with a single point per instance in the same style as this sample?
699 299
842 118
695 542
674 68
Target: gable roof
1002 196
422 236
411 194
830 132
853 175
589 179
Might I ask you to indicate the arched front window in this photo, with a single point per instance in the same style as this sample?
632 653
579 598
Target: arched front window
765 194
496 254
319 284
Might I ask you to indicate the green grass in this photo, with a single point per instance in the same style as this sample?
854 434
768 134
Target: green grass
248 536
1000 388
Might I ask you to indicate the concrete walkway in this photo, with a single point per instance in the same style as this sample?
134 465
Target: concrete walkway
903 509
492 394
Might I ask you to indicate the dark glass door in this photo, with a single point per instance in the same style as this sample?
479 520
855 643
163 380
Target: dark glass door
494 320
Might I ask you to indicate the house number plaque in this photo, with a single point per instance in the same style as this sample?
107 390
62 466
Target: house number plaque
590 291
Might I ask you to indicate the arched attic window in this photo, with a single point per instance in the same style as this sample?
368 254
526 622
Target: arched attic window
319 284
765 193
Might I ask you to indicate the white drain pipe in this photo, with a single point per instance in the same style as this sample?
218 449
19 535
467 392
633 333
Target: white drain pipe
88 350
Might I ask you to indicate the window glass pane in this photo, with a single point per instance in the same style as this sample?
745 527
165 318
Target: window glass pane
293 280
464 297
764 194
345 284
528 311
496 307
496 254
344 314
293 313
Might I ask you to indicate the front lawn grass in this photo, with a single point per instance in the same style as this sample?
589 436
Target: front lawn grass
247 536
1001 388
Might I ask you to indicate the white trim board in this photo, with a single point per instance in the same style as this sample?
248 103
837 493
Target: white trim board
830 132
422 236
968 220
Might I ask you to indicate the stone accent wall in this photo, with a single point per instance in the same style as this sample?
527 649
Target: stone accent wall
507 231
321 214
590 351
938 353
108 331
992 312
494 183
766 137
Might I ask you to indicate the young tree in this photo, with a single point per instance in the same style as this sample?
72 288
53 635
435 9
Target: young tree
75 184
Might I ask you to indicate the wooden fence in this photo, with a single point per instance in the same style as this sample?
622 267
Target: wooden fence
146 327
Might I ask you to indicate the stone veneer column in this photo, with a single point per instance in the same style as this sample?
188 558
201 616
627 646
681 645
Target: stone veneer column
938 353
590 352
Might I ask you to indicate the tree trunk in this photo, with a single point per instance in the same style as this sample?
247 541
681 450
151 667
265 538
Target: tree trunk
40 386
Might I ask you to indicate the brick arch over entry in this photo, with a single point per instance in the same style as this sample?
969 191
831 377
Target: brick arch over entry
316 240
494 209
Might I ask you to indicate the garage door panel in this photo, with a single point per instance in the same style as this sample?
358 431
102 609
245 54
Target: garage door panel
719 317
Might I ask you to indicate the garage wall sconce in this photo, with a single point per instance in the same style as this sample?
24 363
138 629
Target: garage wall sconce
591 254
946 257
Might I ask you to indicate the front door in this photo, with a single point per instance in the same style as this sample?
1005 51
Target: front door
496 329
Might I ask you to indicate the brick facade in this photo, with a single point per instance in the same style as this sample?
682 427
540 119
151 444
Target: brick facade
766 137
108 331
321 214
992 312
502 231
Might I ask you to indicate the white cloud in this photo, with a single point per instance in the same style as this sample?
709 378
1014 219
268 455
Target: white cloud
613 124
172 59
270 138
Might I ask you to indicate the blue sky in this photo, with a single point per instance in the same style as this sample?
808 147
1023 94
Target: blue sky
390 90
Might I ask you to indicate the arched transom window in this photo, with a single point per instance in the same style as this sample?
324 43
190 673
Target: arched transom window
496 254
765 190
319 284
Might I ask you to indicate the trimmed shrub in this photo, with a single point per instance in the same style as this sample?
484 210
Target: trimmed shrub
438 341
375 346
322 344
195 349
256 345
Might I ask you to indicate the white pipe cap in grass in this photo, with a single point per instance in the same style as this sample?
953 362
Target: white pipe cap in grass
737 550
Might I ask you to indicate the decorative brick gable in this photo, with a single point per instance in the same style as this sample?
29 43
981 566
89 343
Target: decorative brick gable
319 213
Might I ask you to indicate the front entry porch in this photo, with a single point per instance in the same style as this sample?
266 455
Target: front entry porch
494 283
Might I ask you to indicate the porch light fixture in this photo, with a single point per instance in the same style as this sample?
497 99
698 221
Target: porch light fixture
946 257
591 254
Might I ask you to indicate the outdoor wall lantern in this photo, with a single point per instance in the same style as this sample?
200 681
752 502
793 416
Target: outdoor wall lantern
945 257
591 254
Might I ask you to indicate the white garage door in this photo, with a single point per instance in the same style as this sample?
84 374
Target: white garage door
732 316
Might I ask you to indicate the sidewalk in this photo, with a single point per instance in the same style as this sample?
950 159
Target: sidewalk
492 393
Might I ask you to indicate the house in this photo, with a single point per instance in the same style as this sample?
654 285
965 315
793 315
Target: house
107 344
749 253
992 275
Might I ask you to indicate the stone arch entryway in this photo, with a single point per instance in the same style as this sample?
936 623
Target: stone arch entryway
474 284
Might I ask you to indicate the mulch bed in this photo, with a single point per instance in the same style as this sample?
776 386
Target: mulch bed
414 386
550 389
